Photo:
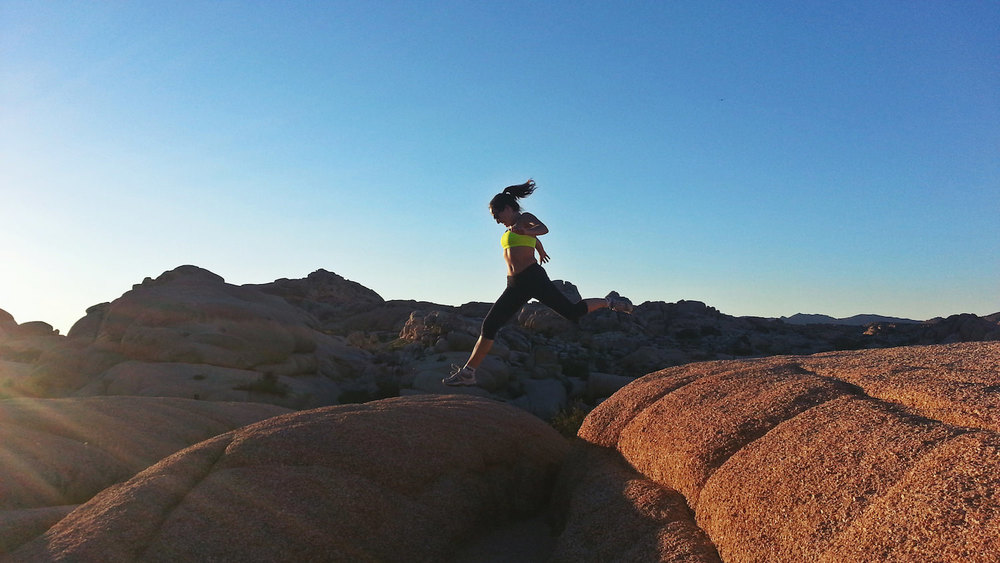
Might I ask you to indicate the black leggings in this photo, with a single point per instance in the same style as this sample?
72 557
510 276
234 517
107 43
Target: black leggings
533 282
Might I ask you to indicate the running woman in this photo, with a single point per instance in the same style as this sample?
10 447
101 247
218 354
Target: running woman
526 279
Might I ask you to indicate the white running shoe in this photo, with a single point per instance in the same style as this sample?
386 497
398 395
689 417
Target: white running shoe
463 376
618 303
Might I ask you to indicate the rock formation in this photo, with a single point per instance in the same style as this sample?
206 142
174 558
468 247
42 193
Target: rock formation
894 447
324 340
58 453
325 295
189 334
887 455
881 454
399 479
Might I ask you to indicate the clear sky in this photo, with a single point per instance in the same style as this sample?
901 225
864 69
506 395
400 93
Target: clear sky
766 158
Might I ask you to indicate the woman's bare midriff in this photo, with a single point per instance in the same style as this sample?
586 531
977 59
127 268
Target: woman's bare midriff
519 258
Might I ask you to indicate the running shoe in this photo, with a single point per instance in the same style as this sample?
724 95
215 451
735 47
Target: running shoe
463 376
618 303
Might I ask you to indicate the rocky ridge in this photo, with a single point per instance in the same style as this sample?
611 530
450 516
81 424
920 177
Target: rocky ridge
324 340
691 461
855 320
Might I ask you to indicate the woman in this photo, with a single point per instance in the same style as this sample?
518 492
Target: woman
526 279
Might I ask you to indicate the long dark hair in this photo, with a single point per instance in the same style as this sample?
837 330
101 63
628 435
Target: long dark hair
509 196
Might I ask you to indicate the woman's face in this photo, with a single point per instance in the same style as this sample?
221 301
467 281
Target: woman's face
504 216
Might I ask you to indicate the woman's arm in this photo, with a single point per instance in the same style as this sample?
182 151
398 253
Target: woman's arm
542 255
528 224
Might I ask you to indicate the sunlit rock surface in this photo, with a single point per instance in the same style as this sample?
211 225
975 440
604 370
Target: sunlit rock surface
55 453
885 455
399 479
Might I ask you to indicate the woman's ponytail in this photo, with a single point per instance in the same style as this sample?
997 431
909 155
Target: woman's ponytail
521 190
509 196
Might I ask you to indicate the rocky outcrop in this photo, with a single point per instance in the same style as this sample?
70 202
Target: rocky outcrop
325 295
889 454
965 327
57 453
190 315
400 479
7 322
862 455
189 334
23 348
541 351
322 340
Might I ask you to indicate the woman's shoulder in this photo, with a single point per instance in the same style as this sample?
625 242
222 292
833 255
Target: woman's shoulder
530 218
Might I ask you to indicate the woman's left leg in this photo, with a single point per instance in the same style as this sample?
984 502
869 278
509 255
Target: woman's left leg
549 295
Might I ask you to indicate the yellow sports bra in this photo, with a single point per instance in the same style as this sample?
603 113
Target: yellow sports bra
511 239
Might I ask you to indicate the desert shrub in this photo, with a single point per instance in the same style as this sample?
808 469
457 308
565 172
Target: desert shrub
569 420
268 383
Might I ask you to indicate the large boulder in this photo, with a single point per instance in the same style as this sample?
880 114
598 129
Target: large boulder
242 339
55 453
191 315
325 295
429 327
399 479
34 359
89 326
885 454
960 328
7 321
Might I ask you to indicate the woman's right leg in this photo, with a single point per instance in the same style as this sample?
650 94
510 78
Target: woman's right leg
510 301
483 346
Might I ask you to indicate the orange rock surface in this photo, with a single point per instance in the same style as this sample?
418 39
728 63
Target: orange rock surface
873 455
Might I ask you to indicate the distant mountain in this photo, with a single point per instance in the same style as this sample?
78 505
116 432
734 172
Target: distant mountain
856 320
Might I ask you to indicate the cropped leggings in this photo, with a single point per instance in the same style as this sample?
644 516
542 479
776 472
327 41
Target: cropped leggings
533 282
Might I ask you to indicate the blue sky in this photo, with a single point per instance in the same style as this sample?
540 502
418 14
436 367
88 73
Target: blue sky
765 158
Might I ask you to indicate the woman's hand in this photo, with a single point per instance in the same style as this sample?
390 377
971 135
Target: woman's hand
542 255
